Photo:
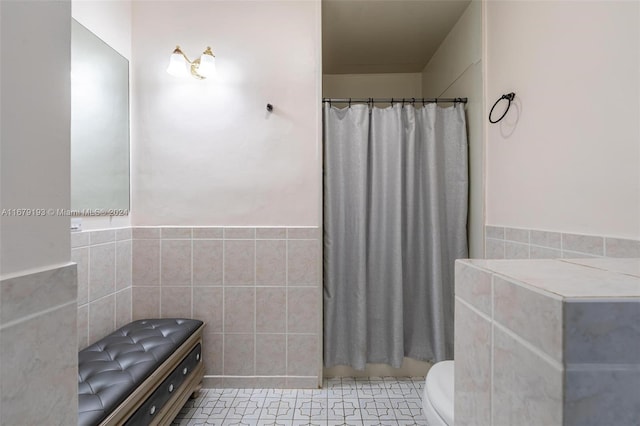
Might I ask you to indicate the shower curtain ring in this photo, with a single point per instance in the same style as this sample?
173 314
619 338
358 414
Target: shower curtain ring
349 102
391 101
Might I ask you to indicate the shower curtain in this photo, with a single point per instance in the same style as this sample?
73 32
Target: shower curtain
395 217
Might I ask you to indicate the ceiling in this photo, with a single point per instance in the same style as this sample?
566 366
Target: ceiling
384 36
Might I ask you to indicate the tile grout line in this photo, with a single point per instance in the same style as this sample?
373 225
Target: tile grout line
491 352
160 283
88 290
286 306
224 290
192 256
115 283
255 296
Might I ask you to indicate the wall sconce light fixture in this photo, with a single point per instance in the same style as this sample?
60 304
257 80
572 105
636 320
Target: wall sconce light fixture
201 68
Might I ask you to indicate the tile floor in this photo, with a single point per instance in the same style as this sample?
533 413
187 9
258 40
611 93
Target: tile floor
342 401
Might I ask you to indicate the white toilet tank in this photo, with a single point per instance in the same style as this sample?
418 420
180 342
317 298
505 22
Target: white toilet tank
438 394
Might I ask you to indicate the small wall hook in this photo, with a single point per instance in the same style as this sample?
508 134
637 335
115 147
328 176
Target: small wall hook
269 107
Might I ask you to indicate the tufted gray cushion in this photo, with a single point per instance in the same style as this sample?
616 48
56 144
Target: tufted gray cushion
110 369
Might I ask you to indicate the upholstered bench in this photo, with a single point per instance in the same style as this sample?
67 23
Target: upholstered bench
140 374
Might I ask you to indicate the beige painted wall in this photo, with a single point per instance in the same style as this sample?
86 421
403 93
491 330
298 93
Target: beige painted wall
455 70
567 156
397 85
208 152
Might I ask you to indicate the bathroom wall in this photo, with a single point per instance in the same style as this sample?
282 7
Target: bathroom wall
567 156
38 357
388 85
185 274
111 21
225 192
207 153
257 289
553 342
518 243
33 177
104 282
455 70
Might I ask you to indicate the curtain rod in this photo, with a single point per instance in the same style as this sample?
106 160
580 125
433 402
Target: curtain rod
394 100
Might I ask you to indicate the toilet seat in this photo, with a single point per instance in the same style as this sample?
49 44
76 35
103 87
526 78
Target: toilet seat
438 394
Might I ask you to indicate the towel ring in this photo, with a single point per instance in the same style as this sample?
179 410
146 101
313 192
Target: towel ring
509 97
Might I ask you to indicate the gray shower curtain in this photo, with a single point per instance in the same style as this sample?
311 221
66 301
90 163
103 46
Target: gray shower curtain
395 219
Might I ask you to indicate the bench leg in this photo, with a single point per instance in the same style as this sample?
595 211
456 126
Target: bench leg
196 391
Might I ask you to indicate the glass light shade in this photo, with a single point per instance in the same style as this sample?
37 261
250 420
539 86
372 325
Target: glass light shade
178 65
207 67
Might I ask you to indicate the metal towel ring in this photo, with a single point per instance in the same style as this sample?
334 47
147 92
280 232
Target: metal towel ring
509 97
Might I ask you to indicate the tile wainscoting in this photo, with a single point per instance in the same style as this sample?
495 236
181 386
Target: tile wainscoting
517 243
37 347
104 282
258 289
551 341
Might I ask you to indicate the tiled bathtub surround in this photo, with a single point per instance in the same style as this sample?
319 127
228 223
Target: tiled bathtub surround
550 341
37 347
104 281
258 290
516 243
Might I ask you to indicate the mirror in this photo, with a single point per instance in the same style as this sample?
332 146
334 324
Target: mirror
99 124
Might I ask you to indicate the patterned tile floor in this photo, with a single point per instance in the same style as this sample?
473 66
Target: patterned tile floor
383 401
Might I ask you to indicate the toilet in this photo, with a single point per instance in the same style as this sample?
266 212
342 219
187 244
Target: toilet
437 400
